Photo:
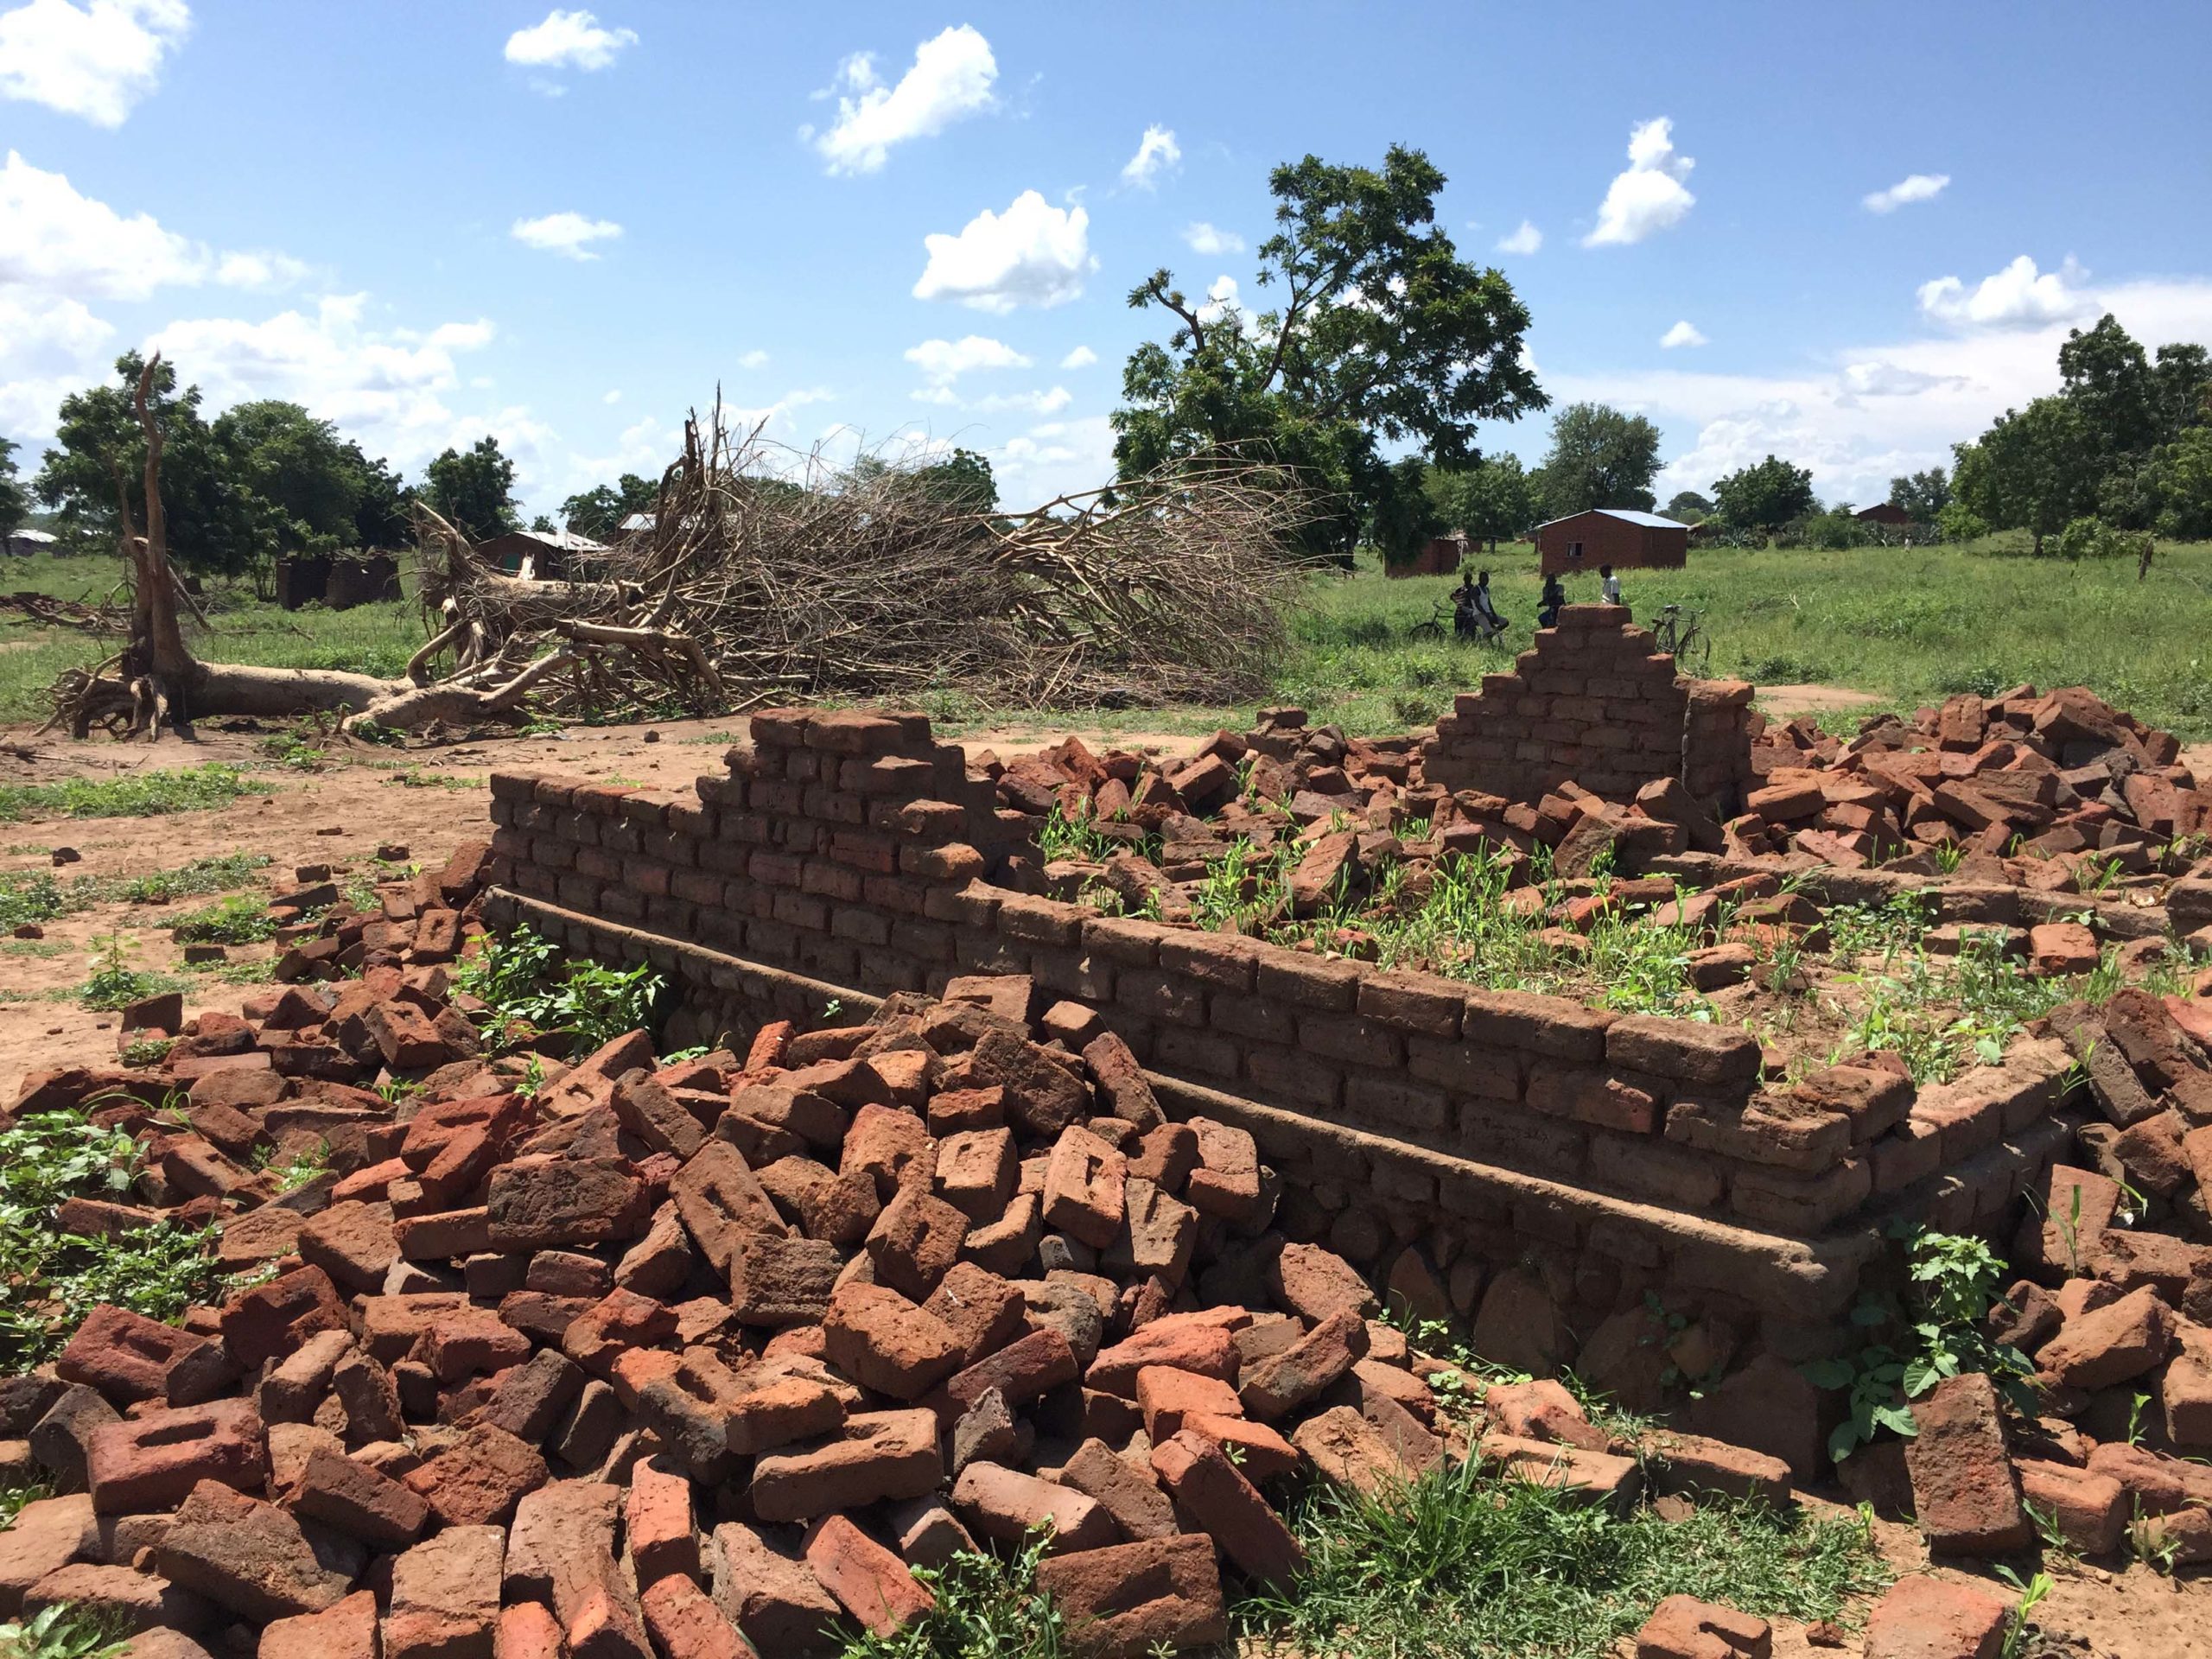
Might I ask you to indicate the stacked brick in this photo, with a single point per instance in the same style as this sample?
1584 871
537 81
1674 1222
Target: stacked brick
1592 703
706 1357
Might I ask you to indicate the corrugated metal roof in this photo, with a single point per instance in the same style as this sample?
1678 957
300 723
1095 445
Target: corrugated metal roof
1649 520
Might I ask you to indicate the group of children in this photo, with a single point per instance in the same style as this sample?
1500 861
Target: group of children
1473 616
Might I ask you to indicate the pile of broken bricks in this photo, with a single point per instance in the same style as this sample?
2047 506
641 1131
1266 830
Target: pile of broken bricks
627 1357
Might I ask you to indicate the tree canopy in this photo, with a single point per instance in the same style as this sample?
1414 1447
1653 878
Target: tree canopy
1383 334
1600 458
1489 500
14 504
1922 494
962 481
1764 496
473 492
1688 508
2119 441
598 513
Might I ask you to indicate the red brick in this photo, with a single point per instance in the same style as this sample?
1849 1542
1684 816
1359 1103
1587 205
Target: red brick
1965 1493
1085 1188
358 1501
1929 1618
1682 1627
246 1556
1127 1600
1347 1449
685 1625
1207 1485
2111 1345
153 1461
445 1598
658 1522
875 1455
1277 1385
129 1357
771 1597
869 1582
480 1477
1006 1505
1188 1344
885 1343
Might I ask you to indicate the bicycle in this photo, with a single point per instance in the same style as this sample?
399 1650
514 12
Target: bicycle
1683 635
1442 624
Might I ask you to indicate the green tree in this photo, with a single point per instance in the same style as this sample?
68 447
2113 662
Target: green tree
1766 496
1486 501
1401 514
382 518
1600 458
1382 333
1689 507
1922 494
216 523
2182 380
598 513
2036 469
14 504
473 492
2178 478
963 481
311 480
2108 378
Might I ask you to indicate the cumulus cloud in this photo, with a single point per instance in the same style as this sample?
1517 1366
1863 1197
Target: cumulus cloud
944 361
1157 154
1523 238
951 78
1032 254
1054 458
94 60
1649 196
1221 299
54 239
1035 403
1684 332
755 358
568 39
1081 358
570 235
1914 186
1211 238
2018 295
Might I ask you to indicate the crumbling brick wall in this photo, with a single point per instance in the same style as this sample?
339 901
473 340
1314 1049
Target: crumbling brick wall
842 859
1592 704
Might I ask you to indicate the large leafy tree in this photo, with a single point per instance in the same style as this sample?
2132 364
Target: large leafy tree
312 482
2182 382
215 521
1689 507
1763 496
1600 458
2036 469
1922 494
474 490
1401 515
2106 378
2178 479
963 481
1486 501
598 513
1381 332
14 504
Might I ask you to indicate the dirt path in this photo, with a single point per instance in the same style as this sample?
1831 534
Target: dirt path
1787 702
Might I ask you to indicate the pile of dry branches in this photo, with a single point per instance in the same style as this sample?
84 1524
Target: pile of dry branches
770 576
767 576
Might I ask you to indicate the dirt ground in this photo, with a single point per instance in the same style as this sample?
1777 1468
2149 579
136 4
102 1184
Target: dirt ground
429 800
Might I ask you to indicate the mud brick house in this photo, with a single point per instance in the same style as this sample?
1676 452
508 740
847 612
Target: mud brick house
1614 536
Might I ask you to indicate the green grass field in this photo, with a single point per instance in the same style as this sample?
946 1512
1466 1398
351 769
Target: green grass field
1908 625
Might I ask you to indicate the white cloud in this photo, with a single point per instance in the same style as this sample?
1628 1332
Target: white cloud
1157 153
567 234
1054 458
567 40
1036 402
2016 296
1682 333
612 398
1211 239
1650 195
94 60
944 361
1882 408
755 358
1525 239
55 239
951 78
1034 254
1221 299
1914 186
1081 358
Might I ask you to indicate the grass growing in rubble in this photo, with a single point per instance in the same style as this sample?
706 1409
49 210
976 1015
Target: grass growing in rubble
49 1282
1466 1561
136 795
63 1630
986 1607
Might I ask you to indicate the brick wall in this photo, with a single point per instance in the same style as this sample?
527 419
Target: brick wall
843 858
1591 704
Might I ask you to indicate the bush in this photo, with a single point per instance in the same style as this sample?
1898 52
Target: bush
2093 538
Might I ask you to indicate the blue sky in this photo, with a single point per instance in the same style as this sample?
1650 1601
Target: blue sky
894 226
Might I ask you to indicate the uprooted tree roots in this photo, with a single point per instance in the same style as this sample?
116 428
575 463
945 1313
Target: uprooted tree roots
752 585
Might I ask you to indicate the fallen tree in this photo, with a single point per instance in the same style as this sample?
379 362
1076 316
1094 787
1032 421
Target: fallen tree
755 584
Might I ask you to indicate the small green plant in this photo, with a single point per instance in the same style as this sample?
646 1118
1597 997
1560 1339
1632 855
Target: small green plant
290 750
1939 1331
114 984
591 1005
291 1171
239 920
13 1499
1076 838
146 1053
62 1631
2019 1626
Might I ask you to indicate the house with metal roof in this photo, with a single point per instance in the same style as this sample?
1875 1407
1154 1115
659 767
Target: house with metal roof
1620 537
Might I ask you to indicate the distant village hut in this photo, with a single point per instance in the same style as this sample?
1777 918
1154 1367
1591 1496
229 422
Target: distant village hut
1626 540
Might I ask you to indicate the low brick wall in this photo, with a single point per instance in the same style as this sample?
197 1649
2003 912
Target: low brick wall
843 857
1592 704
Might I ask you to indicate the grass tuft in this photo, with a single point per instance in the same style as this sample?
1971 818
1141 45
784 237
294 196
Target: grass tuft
138 795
